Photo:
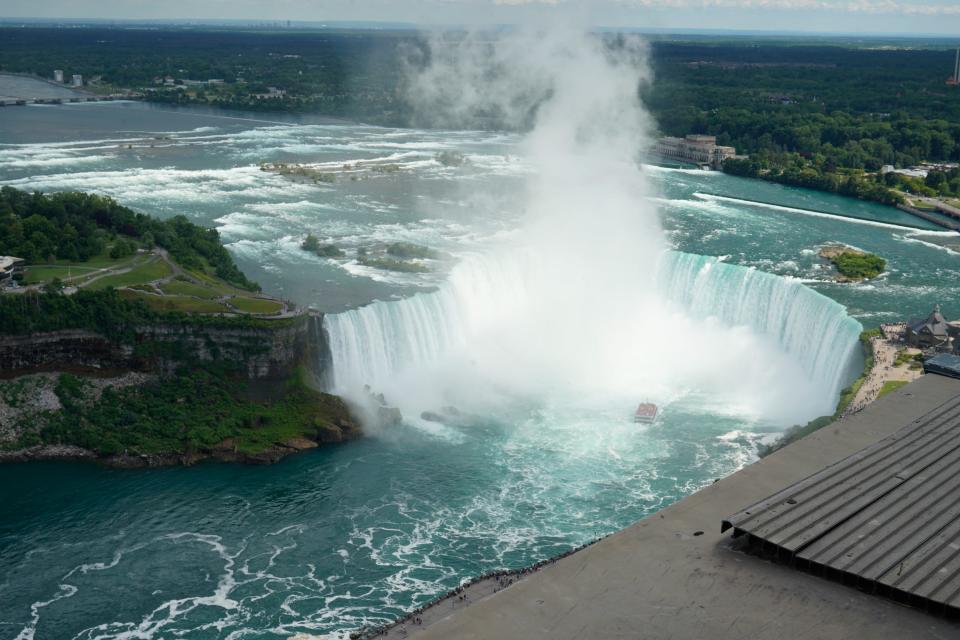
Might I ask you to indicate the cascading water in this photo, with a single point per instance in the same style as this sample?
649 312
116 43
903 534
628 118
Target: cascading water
583 309
797 334
807 325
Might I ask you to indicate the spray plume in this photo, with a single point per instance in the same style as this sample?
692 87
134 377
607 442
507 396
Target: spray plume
578 309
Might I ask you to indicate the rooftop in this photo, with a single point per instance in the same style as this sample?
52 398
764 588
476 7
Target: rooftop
935 323
9 261
886 518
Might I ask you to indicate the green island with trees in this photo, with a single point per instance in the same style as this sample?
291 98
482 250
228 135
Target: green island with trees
859 266
852 264
167 296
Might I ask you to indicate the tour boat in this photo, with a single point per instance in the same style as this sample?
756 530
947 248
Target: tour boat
646 413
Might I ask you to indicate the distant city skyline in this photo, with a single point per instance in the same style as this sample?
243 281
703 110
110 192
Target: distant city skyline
917 17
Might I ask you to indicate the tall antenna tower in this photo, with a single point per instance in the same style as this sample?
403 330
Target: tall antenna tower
954 80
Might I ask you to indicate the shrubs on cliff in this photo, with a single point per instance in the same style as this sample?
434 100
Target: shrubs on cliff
198 410
103 311
76 226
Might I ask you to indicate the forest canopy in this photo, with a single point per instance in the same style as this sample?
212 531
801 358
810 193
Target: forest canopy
78 226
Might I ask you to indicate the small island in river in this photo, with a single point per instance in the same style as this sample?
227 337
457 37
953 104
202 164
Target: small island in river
853 265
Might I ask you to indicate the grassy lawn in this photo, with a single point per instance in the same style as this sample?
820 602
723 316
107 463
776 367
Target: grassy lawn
217 285
102 261
184 288
179 303
63 269
256 305
43 273
891 385
138 275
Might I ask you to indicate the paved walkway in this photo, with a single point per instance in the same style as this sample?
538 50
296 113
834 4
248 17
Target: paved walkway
883 371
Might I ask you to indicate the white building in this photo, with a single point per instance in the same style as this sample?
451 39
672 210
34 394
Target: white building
698 149
58 75
10 266
912 172
77 80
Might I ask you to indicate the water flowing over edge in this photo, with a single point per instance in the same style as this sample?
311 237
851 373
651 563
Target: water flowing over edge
371 344
806 324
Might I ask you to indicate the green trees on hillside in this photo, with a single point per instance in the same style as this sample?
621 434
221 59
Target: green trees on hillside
77 226
792 169
104 311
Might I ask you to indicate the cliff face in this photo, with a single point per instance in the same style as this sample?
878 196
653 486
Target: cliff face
161 395
71 349
265 352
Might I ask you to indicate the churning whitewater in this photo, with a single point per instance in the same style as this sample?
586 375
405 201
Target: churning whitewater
458 345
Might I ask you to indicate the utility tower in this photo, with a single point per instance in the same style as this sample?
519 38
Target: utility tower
954 80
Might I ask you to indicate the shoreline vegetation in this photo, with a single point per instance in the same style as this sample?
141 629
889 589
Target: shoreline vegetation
200 412
827 114
132 341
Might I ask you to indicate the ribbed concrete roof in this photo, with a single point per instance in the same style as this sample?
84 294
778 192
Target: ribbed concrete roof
886 518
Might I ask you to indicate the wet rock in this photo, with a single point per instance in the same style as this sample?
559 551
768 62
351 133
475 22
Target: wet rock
300 444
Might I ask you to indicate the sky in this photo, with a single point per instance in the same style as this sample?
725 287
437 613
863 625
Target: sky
820 16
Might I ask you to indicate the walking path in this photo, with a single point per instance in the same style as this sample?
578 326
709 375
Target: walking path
883 371
89 275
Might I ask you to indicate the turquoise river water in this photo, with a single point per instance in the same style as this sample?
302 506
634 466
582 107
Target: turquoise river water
750 336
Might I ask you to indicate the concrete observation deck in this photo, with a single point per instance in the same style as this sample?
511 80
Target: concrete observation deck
675 575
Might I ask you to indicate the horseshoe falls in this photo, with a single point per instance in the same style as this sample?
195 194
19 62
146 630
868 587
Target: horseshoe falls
736 338
807 325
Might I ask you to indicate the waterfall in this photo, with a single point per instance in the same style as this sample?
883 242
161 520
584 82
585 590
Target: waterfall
746 314
807 325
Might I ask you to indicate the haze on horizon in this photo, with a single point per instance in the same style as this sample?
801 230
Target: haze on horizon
907 17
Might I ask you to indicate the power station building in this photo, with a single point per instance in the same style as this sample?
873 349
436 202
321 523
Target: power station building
697 149
77 80
58 75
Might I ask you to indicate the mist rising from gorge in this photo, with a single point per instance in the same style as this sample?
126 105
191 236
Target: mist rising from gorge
574 308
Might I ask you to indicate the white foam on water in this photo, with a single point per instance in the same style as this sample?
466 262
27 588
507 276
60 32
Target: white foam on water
806 212
933 245
171 185
698 172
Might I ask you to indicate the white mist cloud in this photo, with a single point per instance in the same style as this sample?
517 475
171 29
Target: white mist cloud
571 309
